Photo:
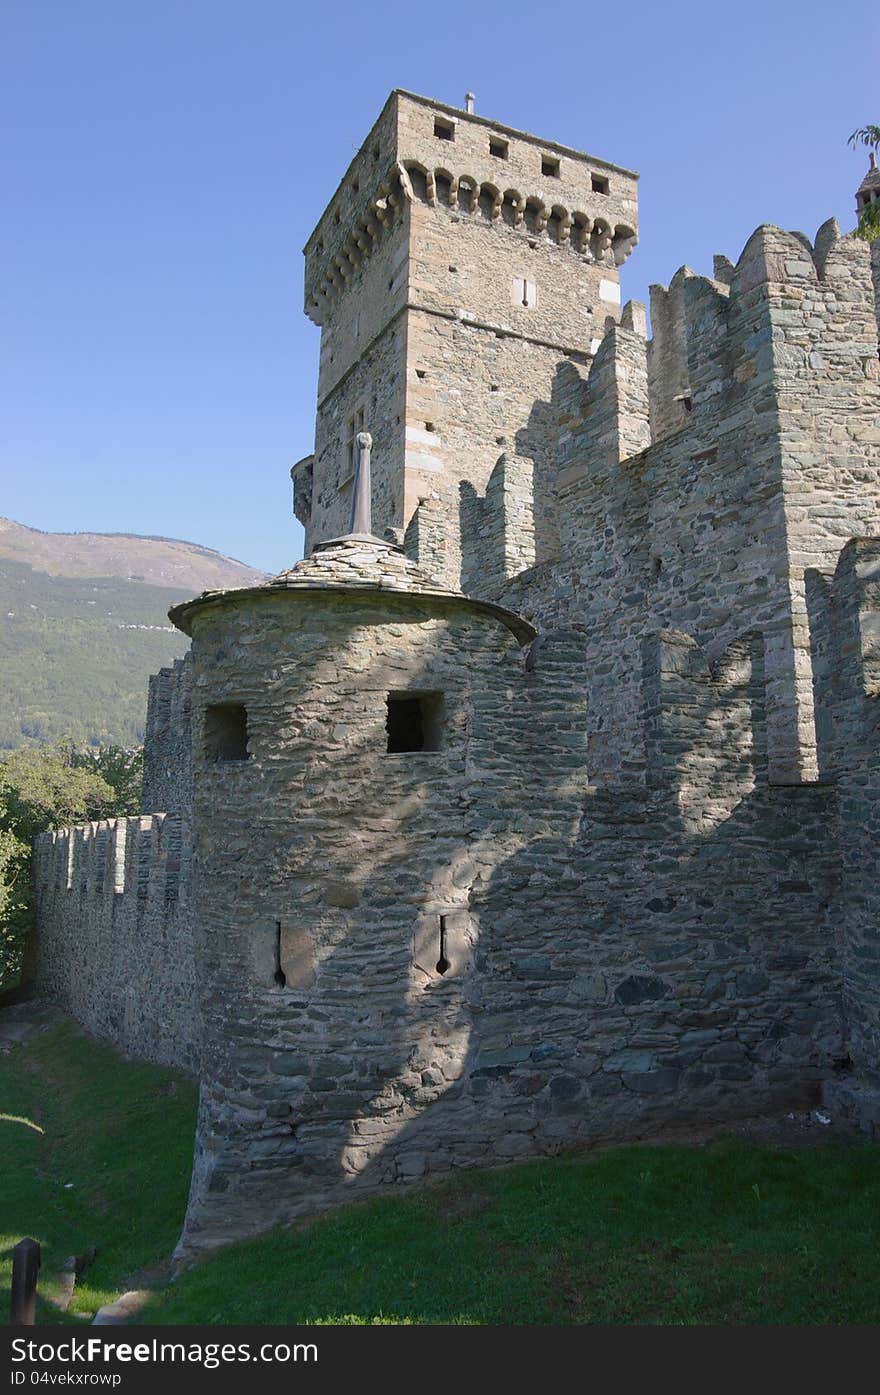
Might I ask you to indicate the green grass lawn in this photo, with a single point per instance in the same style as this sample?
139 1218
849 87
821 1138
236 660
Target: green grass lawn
95 1150
731 1233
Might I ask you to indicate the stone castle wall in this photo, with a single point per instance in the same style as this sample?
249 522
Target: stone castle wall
616 960
845 628
167 784
114 939
631 883
710 528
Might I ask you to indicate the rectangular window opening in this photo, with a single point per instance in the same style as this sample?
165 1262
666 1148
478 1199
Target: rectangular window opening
414 722
498 148
599 184
550 166
443 130
226 731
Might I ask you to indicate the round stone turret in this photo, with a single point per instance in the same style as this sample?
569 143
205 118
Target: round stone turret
351 731
868 191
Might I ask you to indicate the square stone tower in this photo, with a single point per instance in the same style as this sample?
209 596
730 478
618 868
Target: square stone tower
457 266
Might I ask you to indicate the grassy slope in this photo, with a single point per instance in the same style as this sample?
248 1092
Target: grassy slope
120 1132
728 1234
76 653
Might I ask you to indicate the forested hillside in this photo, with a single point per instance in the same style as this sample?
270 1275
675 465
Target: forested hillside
76 650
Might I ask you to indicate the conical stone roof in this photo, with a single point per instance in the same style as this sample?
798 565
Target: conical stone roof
363 561
359 564
872 178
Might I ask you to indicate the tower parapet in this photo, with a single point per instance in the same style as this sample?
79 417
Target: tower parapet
459 262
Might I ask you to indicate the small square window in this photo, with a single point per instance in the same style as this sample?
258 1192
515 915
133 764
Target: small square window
414 722
226 731
550 166
443 130
599 184
498 147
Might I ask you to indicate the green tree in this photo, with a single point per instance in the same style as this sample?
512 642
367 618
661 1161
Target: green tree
51 787
15 896
122 769
869 218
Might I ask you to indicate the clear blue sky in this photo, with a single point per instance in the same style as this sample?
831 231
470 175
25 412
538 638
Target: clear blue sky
165 160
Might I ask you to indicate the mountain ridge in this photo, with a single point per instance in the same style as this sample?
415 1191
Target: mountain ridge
172 562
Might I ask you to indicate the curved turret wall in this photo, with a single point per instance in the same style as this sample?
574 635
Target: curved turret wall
418 960
323 864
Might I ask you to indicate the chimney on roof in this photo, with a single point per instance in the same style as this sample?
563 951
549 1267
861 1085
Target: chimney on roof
469 100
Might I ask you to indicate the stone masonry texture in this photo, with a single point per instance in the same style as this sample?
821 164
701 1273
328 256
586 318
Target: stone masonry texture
546 814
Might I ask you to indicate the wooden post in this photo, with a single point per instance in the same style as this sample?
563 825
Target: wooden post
23 1303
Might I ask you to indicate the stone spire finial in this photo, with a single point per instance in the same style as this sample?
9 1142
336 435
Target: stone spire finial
361 504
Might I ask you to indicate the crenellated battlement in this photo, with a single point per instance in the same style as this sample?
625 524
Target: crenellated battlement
142 856
114 945
457 264
426 151
167 784
790 311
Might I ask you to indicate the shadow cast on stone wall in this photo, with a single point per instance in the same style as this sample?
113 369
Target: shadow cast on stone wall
617 960
670 963
515 524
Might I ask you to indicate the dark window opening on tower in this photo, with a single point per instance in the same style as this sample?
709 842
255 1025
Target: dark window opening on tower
550 166
419 181
226 731
443 130
498 148
414 721
599 184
